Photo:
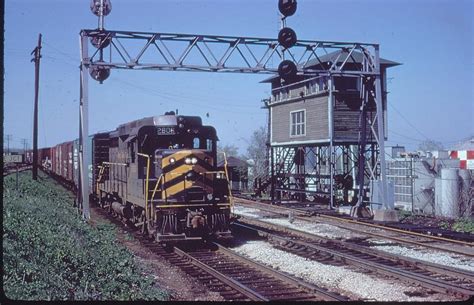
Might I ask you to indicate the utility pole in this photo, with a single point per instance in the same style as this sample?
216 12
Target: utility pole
25 143
9 138
36 59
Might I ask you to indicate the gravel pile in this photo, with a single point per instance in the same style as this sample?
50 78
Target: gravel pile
355 285
437 257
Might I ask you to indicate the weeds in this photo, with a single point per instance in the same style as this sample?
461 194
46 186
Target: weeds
49 253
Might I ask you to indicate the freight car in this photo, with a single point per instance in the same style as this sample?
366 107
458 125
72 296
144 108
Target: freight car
158 173
44 158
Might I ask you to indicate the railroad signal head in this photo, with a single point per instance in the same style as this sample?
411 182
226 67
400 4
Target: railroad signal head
287 37
287 70
99 73
287 7
95 7
100 40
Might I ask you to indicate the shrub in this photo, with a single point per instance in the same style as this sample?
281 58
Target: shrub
464 225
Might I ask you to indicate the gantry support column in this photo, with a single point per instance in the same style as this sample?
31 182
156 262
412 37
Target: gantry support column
84 149
331 141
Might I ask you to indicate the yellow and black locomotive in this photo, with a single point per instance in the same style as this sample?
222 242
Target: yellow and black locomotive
160 174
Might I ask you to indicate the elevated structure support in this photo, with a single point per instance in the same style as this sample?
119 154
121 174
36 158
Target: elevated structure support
84 149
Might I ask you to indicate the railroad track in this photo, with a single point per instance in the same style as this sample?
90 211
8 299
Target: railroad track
438 278
233 276
374 230
11 170
429 232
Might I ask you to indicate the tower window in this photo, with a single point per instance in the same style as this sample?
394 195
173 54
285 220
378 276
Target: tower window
297 123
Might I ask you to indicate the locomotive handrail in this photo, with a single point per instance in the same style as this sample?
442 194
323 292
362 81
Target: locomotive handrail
231 199
101 172
195 204
147 217
115 163
199 173
156 187
102 168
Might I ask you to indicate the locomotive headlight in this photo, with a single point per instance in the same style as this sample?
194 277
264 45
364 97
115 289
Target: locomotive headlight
194 160
172 160
187 161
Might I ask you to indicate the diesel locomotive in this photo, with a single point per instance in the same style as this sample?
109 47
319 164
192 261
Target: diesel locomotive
158 174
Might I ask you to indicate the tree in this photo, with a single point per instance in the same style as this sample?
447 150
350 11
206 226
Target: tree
430 145
257 151
230 151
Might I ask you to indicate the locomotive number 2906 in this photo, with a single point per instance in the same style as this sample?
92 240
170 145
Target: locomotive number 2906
166 131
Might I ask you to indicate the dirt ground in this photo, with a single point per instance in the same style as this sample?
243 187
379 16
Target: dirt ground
170 278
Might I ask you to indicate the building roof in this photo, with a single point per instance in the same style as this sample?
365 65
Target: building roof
356 57
233 162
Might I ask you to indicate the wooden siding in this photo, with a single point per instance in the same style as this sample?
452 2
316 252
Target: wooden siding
316 120
346 120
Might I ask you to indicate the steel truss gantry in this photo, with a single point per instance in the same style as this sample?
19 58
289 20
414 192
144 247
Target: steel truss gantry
103 50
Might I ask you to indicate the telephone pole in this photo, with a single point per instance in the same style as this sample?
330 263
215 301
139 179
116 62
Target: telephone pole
25 144
8 138
36 59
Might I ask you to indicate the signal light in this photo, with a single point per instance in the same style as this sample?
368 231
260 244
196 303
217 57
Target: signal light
287 37
287 69
287 7
100 40
99 73
95 7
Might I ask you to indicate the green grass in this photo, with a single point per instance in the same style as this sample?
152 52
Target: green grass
49 253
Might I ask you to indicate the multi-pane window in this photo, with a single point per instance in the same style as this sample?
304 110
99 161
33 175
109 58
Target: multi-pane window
298 123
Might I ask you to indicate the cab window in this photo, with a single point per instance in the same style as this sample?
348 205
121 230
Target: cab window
196 143
209 145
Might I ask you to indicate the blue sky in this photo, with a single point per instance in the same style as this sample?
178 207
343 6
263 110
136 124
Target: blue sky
431 94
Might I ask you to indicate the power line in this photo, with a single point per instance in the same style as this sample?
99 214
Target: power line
406 120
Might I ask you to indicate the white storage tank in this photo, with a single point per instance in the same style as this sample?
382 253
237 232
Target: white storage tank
448 201
464 203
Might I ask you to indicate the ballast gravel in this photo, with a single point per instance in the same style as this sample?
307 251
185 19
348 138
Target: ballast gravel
247 212
318 229
438 257
355 285
334 232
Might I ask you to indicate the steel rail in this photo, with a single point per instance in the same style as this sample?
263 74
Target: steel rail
426 281
273 210
226 280
328 296
252 295
157 249
9 171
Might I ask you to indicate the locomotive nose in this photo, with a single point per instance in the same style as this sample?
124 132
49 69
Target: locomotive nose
191 175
